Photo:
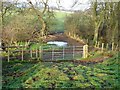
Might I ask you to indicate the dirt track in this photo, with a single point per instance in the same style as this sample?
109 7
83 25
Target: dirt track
63 37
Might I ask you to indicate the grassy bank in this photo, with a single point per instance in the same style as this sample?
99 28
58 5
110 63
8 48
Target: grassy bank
61 75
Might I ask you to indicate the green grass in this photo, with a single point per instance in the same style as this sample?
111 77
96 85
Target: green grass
63 74
59 21
61 15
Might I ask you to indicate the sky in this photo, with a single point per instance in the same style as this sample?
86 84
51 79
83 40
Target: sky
66 4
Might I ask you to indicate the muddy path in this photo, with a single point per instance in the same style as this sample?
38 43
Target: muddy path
86 62
64 38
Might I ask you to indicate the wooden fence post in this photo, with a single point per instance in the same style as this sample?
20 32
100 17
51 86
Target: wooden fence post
8 54
107 46
102 47
22 53
85 51
73 52
52 53
40 52
98 45
36 53
113 46
31 54
116 47
63 52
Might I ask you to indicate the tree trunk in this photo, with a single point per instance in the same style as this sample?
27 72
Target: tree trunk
98 19
40 18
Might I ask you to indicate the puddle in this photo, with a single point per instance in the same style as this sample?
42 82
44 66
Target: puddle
58 43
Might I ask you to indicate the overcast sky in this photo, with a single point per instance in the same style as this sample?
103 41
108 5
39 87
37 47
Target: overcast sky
66 4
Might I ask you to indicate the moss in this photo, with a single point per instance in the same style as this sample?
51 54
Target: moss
79 78
63 77
100 75
94 83
83 85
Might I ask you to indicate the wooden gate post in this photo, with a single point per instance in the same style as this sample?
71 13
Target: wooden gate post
85 51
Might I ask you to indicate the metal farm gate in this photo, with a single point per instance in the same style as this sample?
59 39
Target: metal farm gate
54 53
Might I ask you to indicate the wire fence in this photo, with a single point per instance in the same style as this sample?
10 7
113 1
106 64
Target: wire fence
51 53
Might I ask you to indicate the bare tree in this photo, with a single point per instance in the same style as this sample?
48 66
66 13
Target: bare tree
6 10
40 15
